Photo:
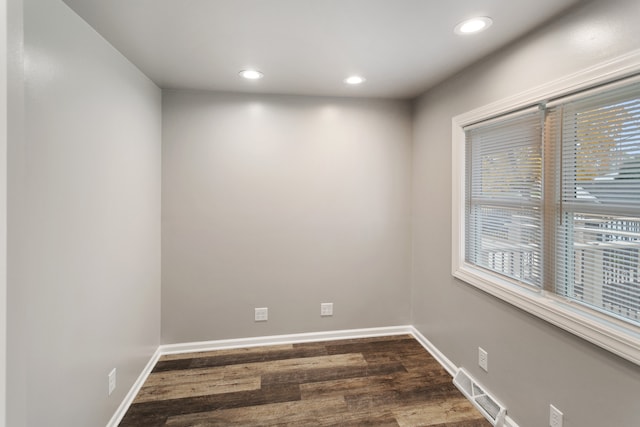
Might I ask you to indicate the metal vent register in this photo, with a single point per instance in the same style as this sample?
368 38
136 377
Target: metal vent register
486 404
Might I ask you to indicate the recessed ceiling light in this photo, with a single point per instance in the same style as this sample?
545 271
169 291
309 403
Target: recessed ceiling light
473 25
354 80
251 74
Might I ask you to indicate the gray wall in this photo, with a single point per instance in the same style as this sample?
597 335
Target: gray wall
273 201
531 364
16 379
283 202
89 178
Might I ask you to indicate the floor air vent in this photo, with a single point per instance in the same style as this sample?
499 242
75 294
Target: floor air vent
490 408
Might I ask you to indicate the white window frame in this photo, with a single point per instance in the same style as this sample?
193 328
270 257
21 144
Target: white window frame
618 337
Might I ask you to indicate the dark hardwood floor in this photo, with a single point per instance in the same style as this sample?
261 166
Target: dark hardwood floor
384 381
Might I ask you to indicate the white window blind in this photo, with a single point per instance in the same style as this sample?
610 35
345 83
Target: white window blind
503 198
596 138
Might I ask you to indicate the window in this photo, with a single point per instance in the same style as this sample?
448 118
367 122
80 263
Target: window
547 209
598 225
503 200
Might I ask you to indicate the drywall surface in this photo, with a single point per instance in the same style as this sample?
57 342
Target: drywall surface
91 188
4 82
283 202
13 409
531 364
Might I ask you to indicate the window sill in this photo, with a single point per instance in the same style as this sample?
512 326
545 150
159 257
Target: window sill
617 337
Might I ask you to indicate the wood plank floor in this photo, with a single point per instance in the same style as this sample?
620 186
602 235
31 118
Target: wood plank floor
383 381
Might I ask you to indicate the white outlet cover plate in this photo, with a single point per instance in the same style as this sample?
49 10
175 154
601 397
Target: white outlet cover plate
483 359
555 416
261 314
112 381
326 309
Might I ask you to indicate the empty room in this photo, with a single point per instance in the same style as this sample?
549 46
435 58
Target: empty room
320 212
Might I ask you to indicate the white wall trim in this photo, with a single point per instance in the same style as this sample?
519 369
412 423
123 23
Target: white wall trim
508 422
283 339
617 337
447 364
133 392
598 74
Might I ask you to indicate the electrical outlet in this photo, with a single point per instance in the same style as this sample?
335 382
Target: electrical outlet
261 314
112 381
326 309
555 417
483 359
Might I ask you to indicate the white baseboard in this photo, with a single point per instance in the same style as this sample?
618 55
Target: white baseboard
508 422
283 339
133 392
447 364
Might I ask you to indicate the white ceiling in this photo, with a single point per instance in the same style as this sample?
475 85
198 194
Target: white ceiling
401 47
